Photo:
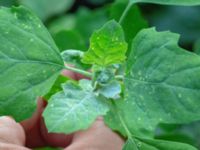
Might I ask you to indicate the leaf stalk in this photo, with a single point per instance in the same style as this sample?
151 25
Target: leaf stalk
85 73
125 12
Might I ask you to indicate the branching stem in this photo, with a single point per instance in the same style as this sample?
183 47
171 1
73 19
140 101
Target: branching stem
119 77
85 73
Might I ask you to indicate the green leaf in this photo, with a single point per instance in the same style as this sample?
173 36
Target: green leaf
72 56
169 2
151 144
161 90
132 23
105 82
73 109
103 75
161 84
29 62
107 46
47 8
110 90
186 133
178 137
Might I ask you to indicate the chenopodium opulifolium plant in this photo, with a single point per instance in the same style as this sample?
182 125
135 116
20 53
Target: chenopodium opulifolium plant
159 84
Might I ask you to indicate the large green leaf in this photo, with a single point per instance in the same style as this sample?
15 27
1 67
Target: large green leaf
47 8
169 2
150 144
29 62
161 82
73 109
107 45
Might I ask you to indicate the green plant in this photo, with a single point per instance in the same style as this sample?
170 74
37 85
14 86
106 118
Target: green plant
154 82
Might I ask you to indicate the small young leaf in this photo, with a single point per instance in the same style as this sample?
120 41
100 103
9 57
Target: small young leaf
107 46
169 2
103 75
29 62
73 109
110 90
73 57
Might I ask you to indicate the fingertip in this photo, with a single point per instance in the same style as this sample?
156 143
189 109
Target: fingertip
98 136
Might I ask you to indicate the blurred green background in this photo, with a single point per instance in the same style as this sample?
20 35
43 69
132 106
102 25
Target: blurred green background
71 22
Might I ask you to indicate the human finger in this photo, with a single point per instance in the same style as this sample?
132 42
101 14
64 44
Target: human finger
97 137
11 132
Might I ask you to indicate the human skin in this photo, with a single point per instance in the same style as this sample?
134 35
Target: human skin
32 133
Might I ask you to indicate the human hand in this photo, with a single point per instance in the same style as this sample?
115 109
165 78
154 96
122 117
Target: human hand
32 133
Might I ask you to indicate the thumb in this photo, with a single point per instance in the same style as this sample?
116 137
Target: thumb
97 137
11 132
12 135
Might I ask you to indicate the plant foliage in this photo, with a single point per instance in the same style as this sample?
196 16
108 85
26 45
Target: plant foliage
140 78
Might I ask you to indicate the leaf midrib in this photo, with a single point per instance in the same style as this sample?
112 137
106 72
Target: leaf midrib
128 132
70 111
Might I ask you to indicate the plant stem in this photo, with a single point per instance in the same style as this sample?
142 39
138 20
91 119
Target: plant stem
119 77
128 133
85 73
125 12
